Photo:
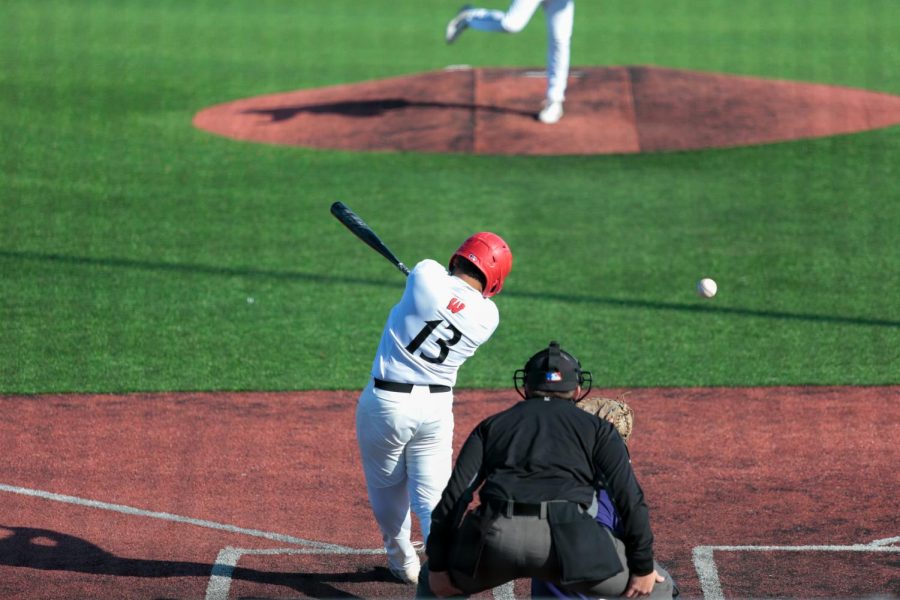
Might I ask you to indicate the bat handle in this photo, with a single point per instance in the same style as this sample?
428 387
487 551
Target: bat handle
403 268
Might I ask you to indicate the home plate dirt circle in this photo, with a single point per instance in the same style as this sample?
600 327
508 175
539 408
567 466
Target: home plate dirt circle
609 110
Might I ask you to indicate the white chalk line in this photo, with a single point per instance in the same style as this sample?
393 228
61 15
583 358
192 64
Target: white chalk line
887 541
507 591
543 74
708 572
219 586
220 577
139 512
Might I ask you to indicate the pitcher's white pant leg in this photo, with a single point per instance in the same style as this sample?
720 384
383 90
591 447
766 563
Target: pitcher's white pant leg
513 20
518 14
384 426
484 19
560 20
429 458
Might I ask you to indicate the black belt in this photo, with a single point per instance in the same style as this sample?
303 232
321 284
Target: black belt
405 388
511 508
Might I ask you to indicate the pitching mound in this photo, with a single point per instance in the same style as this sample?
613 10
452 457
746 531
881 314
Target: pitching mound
609 110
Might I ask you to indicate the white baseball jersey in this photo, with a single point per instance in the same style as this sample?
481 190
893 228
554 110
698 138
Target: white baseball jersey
439 322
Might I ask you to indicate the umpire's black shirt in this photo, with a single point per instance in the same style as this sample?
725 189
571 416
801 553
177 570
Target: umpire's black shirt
544 449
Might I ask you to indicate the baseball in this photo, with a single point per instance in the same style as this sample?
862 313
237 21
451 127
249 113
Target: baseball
706 287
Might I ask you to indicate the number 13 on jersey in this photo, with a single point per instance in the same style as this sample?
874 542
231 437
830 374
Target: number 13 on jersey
444 344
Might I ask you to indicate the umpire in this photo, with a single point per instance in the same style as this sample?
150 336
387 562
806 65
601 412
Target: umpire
538 464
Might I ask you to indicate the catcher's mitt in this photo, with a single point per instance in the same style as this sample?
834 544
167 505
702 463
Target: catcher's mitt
615 411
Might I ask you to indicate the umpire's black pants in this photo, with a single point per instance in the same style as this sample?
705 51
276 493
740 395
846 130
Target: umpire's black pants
516 547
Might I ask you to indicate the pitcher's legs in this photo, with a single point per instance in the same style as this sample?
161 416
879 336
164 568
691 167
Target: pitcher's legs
513 20
560 20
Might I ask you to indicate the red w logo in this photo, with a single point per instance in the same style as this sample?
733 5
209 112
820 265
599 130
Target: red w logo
455 305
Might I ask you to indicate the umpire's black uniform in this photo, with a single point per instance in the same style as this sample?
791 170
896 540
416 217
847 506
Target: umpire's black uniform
538 464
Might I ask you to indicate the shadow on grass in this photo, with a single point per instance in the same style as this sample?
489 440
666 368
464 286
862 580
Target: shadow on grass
47 550
704 307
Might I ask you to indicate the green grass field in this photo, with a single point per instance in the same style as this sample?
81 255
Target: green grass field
130 242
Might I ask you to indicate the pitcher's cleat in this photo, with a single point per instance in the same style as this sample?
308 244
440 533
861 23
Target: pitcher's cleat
551 112
458 24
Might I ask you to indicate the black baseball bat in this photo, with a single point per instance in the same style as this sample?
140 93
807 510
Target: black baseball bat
361 230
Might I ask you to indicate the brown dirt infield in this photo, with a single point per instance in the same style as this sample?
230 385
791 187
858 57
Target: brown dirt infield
609 110
746 467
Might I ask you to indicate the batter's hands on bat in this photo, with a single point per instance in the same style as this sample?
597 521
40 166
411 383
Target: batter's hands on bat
642 585
441 585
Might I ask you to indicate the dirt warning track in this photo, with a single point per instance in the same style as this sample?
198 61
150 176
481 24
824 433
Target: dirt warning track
609 110
227 495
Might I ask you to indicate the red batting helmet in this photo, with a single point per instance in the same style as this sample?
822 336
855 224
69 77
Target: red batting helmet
490 255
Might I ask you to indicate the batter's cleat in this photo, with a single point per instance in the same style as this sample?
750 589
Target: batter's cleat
408 575
458 24
551 112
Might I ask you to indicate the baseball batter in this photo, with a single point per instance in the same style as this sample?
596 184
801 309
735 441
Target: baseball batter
560 19
404 419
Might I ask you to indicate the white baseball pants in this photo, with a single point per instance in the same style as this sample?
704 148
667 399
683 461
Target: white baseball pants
560 19
406 446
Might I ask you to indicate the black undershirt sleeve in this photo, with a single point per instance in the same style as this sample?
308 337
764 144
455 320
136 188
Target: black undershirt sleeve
617 476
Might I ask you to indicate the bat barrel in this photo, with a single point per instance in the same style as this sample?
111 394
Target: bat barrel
365 233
